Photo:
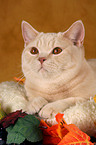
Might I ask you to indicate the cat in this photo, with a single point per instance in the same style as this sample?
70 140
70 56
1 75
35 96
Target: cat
56 71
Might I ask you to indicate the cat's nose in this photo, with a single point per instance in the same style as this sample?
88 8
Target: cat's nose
42 59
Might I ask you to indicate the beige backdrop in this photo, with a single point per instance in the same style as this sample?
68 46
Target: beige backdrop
44 15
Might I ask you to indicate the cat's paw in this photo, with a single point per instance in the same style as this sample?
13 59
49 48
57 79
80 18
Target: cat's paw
35 105
49 110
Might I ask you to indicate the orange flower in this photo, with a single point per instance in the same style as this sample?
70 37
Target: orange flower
19 80
94 98
63 134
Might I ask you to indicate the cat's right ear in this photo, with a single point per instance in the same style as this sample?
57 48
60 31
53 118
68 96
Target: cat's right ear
28 32
76 33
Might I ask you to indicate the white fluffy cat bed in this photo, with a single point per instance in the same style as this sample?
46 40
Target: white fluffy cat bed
83 115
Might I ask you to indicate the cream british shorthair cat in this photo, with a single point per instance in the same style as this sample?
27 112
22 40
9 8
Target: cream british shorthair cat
56 71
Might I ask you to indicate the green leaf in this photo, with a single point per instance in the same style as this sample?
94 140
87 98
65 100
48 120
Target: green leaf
14 137
28 127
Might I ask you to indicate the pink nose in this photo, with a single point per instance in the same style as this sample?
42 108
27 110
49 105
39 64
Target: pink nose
42 59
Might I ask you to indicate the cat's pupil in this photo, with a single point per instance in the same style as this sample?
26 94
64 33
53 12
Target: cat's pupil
34 50
57 50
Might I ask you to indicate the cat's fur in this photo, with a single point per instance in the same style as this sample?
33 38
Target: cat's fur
61 79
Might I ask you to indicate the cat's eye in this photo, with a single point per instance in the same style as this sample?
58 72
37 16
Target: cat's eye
34 50
57 50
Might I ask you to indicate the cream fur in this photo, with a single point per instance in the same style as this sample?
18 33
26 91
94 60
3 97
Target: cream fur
65 78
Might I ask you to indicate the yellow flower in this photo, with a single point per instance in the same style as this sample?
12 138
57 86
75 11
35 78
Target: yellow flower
2 113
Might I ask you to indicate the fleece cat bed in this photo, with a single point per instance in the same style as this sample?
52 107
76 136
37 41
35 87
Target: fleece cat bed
83 115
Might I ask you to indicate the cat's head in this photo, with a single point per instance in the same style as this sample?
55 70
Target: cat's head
48 55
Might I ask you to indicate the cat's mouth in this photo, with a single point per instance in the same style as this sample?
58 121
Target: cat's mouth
42 69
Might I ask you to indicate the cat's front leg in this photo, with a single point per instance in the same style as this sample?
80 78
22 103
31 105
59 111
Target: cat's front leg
51 109
35 104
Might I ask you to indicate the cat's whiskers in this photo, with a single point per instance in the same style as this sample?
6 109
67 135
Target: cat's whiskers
22 77
19 75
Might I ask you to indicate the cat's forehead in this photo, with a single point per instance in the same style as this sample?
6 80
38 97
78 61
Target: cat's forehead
47 35
47 40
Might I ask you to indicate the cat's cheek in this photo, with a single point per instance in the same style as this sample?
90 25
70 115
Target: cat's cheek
51 66
34 66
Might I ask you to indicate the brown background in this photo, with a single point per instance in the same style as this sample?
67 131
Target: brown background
44 15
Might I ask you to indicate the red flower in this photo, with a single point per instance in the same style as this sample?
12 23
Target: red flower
11 118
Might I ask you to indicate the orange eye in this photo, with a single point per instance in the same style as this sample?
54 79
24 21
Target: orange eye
34 50
57 50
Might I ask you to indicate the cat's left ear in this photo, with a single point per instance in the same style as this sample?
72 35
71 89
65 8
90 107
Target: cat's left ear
76 33
28 32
